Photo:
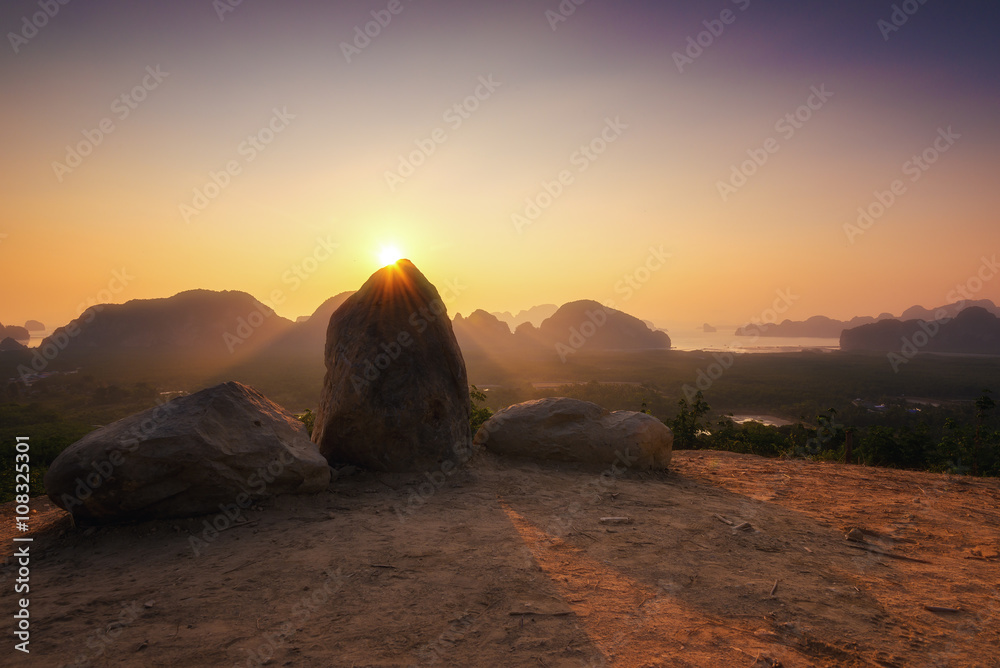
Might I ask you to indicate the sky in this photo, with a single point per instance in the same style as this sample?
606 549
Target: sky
685 162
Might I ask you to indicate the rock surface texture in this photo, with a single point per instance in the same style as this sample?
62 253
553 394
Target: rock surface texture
221 447
396 395
570 430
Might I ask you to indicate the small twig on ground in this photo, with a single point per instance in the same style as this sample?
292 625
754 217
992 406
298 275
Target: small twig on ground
240 524
774 588
381 566
564 613
938 608
723 520
887 554
237 568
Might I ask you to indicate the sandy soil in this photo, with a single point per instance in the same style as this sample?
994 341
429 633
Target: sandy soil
509 564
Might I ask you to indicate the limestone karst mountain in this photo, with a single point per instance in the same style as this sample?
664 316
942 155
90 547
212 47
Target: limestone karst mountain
190 325
973 331
820 326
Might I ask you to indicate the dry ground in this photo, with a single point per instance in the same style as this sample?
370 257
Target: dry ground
509 564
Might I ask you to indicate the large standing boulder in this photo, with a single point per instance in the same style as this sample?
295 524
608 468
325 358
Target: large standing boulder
221 447
396 395
570 430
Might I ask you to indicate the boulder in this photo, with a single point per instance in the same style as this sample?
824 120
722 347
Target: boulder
570 430
218 448
396 395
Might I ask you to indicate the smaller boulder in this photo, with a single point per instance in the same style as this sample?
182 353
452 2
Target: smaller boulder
219 448
571 430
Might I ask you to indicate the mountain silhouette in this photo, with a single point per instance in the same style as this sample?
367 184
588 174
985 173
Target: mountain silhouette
579 325
823 327
309 335
192 324
535 315
974 330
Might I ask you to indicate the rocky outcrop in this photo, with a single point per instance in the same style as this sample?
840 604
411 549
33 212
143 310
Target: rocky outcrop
483 333
34 326
14 332
396 394
218 448
570 430
11 344
589 325
973 331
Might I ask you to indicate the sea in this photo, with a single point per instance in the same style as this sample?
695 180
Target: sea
725 340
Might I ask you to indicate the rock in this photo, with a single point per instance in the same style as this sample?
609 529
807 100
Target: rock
396 395
14 332
219 448
855 534
570 430
10 344
34 326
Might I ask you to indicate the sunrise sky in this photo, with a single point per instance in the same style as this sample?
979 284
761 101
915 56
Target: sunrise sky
312 134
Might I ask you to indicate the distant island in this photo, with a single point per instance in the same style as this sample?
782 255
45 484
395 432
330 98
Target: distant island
974 330
14 332
823 327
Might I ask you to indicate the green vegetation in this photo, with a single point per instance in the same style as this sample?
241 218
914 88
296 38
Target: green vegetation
848 407
48 435
308 418
480 412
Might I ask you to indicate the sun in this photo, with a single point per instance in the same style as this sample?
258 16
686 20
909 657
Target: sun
389 255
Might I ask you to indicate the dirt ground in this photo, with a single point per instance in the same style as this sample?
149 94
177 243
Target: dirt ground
727 560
